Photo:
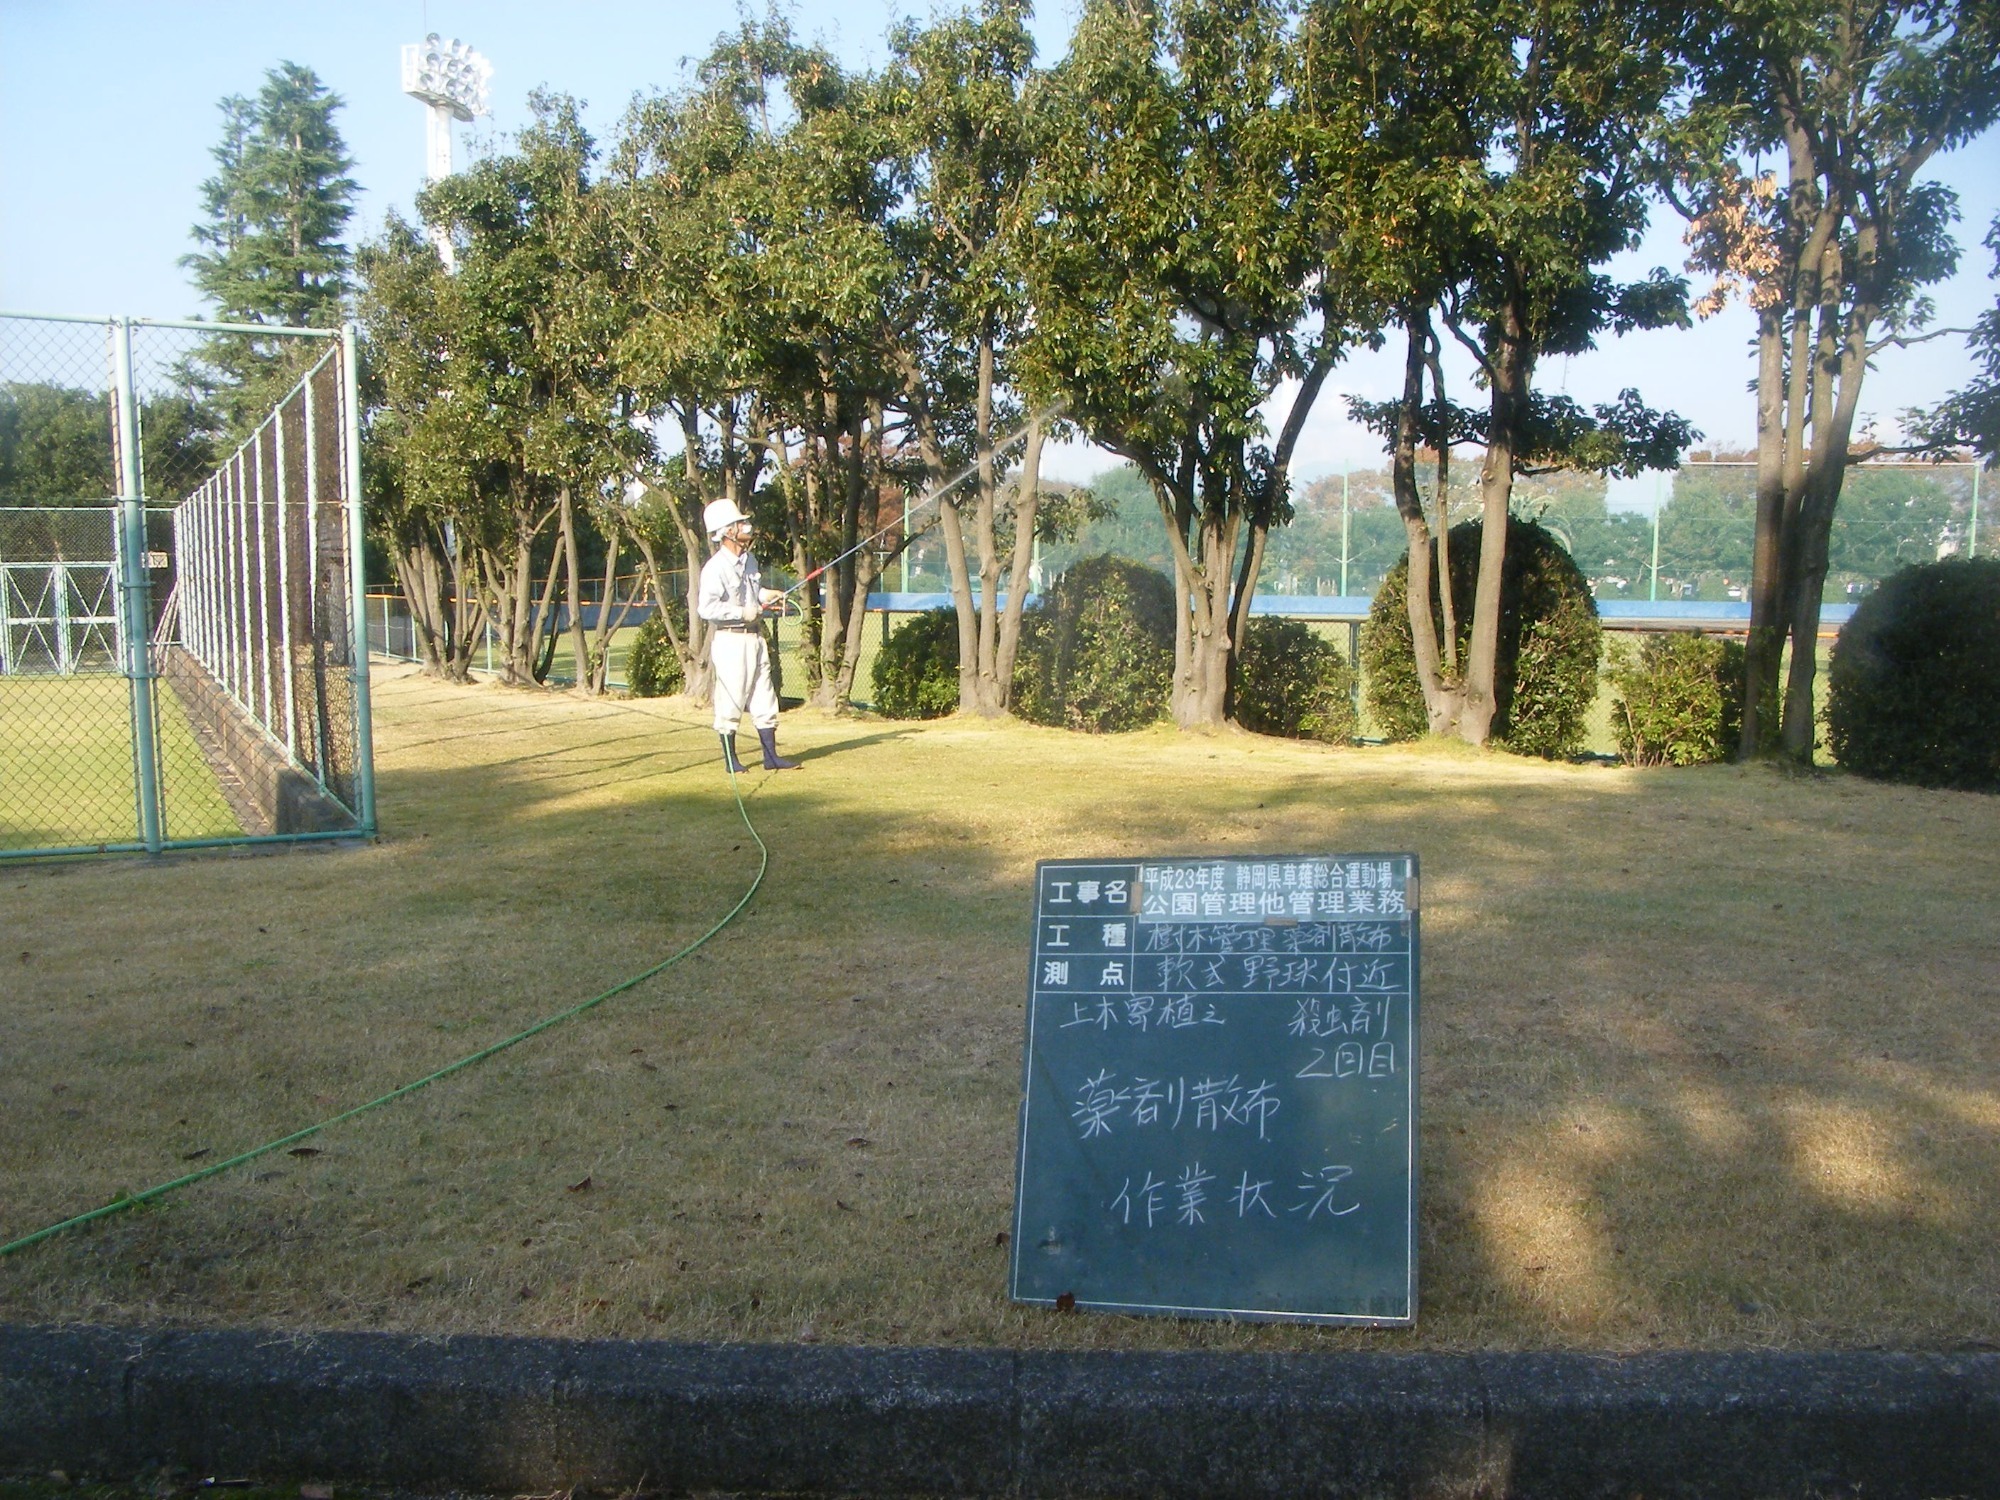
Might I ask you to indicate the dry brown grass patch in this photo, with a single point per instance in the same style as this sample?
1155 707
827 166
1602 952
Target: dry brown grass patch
1709 1057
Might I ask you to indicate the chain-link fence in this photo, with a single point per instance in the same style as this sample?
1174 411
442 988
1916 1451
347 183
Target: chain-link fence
181 661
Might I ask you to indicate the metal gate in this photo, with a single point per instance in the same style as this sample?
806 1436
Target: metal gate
182 661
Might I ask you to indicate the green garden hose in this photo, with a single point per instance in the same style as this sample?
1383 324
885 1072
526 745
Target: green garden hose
132 1200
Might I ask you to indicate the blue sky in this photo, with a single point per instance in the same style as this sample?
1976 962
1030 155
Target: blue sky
108 113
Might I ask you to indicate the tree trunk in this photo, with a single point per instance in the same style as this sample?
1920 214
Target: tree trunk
1201 697
608 624
573 573
1767 620
957 565
1512 373
1443 697
419 576
1843 363
987 696
1027 502
845 472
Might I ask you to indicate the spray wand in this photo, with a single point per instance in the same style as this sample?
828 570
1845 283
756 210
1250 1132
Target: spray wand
1019 436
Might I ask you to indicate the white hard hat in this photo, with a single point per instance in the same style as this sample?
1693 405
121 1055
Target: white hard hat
719 515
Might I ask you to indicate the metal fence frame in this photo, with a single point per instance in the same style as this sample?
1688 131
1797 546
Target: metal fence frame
134 626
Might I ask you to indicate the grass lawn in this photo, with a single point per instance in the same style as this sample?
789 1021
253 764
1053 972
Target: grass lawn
66 765
1710 1058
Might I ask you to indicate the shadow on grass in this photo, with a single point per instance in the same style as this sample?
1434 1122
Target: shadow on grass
1707 1057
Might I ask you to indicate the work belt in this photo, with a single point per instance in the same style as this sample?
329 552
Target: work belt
747 629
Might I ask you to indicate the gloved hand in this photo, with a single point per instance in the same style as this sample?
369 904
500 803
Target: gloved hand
771 596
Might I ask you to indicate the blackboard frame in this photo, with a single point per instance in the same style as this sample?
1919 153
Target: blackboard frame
1401 1312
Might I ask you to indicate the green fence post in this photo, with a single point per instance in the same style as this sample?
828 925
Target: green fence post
135 603
357 583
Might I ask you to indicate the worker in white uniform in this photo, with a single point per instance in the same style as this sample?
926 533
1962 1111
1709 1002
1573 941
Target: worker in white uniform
733 600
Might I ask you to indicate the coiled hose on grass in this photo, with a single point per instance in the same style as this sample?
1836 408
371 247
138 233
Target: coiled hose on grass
147 1195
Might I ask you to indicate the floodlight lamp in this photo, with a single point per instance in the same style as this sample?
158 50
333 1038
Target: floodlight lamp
447 74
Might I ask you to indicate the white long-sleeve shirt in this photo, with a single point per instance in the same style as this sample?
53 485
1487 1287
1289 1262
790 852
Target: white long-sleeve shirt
728 582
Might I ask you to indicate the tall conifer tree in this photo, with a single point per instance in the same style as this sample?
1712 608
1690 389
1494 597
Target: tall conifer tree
271 234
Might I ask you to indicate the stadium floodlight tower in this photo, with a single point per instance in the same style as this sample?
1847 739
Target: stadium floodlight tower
451 78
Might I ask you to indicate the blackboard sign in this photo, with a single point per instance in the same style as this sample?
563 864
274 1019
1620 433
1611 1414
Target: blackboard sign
1219 1096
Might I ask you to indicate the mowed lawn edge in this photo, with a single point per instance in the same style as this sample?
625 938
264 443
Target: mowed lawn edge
1708 1057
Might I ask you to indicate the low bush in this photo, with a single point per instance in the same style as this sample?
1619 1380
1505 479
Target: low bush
653 669
1678 699
1097 649
915 675
1914 690
1292 681
1550 643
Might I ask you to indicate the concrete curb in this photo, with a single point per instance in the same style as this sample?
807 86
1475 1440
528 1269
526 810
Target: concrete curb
516 1415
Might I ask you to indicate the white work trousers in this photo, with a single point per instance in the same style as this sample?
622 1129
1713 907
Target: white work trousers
742 679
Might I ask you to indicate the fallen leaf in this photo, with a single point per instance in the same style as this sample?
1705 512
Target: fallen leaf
859 1140
1000 1238
303 1151
848 1206
527 1292
1066 1302
649 1067
197 1155
580 1187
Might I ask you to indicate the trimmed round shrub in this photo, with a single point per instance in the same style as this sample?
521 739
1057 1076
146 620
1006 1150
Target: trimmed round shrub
1097 649
1293 681
1914 690
653 669
1679 699
916 672
1550 643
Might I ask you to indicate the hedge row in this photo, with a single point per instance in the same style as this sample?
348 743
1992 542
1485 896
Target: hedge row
1097 654
1914 690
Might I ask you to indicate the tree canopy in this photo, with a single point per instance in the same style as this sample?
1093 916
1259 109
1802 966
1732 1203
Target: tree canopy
856 303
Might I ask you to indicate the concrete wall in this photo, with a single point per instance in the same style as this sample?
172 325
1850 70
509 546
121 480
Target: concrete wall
265 790
520 1415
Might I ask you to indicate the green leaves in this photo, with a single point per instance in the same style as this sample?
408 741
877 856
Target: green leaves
277 206
273 218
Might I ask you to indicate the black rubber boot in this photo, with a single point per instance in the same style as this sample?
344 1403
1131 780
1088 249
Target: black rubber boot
729 751
772 760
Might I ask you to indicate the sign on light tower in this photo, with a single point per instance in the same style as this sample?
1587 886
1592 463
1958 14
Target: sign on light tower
451 78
